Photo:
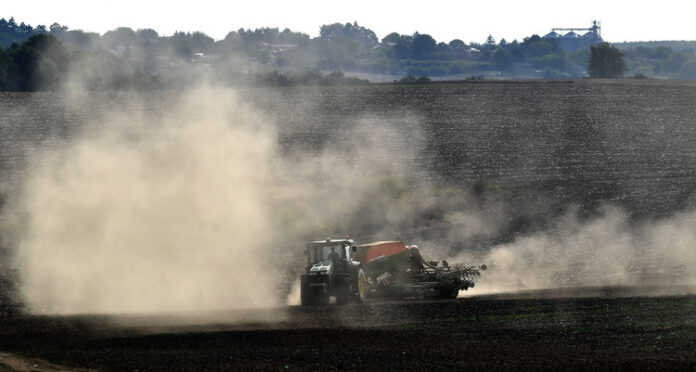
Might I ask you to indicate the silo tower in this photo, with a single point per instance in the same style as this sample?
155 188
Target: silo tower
572 41
597 29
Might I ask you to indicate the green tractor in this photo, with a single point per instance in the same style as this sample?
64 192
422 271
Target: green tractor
384 269
332 272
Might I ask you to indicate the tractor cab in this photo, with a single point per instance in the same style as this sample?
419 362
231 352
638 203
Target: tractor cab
330 251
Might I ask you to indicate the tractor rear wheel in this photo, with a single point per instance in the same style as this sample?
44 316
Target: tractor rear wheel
362 289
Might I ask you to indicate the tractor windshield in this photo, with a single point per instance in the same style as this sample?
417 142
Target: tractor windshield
326 252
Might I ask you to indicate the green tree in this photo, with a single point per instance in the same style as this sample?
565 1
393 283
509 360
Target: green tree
147 35
122 36
392 38
352 31
180 45
502 59
4 67
11 32
537 49
37 64
408 79
201 43
457 44
606 61
423 45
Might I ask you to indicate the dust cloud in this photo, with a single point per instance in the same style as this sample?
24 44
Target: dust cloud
193 207
606 250
149 216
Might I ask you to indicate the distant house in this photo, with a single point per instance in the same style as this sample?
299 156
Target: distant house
203 58
282 47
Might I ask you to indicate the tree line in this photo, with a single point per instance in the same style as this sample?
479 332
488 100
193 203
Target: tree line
44 63
127 58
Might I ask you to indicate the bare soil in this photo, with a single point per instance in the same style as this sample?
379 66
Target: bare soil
552 331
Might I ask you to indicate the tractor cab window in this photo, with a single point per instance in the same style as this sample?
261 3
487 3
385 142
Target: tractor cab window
329 252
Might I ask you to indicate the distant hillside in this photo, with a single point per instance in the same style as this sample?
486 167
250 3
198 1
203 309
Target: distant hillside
678 45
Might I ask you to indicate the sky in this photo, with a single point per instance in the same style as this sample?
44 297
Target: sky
470 21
